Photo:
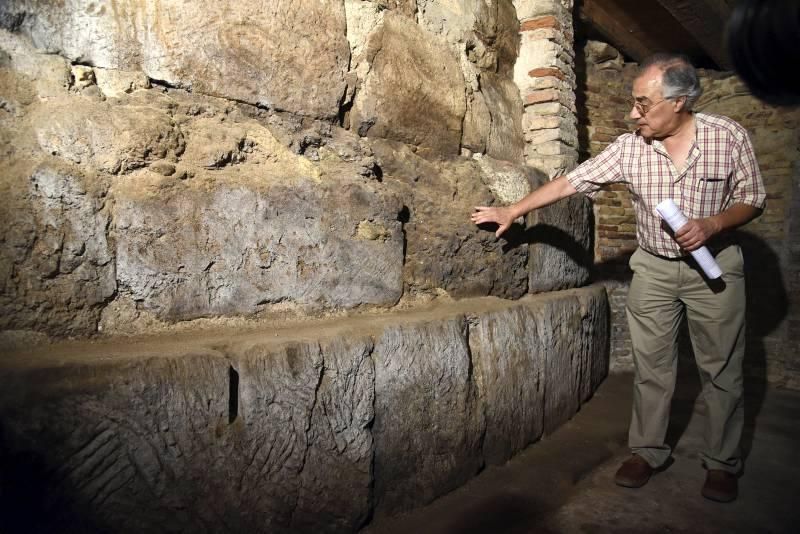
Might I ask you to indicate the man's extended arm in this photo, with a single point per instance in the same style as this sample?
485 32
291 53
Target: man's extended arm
544 196
697 232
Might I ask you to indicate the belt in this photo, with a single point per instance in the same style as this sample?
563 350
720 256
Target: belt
715 247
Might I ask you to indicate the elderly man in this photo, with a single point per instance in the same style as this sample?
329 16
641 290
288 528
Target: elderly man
705 163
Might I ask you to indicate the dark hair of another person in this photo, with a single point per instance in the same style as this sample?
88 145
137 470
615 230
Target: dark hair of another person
762 41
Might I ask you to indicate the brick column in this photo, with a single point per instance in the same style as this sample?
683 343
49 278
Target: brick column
545 75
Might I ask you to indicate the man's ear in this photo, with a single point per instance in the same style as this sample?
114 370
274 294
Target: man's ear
680 103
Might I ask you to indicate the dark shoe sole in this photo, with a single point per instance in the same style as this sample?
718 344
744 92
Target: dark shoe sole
628 483
717 497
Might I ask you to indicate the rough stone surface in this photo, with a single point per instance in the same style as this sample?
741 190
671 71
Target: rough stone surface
49 74
112 139
123 438
510 379
289 55
304 427
57 265
427 424
560 245
441 243
410 72
189 252
485 37
306 449
212 208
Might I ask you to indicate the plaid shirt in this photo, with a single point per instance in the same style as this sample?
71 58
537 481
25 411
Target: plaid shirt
720 171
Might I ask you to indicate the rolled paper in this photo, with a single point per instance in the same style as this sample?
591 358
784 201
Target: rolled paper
675 218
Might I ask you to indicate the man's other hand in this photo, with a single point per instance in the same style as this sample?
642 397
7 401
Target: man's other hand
503 216
695 233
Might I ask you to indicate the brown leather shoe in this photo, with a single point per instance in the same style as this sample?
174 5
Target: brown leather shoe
720 486
634 472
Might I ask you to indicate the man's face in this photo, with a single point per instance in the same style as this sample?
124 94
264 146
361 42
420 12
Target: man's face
654 116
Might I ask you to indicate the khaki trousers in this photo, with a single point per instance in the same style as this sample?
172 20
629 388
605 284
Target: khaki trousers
661 292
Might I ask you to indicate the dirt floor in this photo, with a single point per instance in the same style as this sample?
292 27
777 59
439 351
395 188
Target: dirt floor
564 483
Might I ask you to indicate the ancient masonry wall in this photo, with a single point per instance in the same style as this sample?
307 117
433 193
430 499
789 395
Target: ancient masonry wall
191 180
313 427
771 244
545 75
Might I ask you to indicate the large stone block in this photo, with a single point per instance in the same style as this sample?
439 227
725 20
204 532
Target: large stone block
413 91
561 248
104 441
190 252
595 338
288 55
510 376
444 250
572 363
48 73
485 37
340 441
306 449
428 424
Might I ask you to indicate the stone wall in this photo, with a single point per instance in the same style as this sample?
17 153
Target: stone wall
250 210
770 246
544 72
155 179
299 427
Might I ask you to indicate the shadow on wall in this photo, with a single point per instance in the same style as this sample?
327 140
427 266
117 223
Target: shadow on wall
547 234
29 502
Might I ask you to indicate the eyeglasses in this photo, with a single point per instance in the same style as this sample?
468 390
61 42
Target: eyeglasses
644 109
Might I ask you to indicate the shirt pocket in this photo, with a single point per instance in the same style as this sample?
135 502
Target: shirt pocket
711 191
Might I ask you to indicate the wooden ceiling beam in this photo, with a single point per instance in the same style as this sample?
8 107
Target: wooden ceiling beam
705 20
623 31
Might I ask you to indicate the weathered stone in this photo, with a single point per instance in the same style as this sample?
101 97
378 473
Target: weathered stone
485 36
306 410
441 243
288 55
391 101
50 74
56 270
339 441
121 438
477 116
508 183
115 83
561 248
188 252
109 138
213 144
510 376
302 427
427 423
565 363
505 140
598 52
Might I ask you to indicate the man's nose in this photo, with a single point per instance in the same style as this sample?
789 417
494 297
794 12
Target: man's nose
635 113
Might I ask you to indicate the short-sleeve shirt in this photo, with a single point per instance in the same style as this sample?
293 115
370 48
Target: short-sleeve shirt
720 171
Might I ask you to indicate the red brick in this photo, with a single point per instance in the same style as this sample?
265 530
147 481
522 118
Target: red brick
548 21
546 71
